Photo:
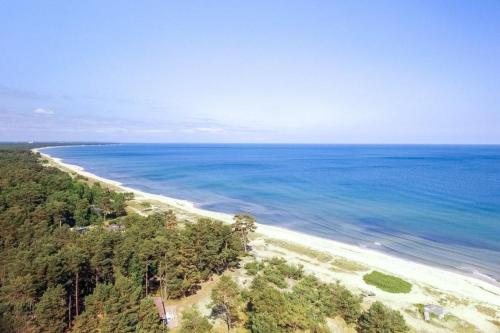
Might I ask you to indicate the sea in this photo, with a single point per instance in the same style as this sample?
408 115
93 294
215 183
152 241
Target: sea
434 204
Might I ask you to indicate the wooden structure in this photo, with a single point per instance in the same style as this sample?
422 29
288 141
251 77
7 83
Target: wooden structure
167 314
429 309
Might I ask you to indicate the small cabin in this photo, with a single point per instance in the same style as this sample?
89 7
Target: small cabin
437 310
167 314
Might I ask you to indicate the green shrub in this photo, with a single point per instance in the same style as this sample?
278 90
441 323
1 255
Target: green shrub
275 276
420 309
145 204
194 322
277 270
380 318
346 304
389 283
253 267
289 271
316 298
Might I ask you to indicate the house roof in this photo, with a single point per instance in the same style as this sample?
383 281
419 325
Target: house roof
160 307
436 309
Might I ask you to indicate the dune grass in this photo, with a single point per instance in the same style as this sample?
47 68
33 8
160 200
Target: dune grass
495 322
344 265
486 310
389 283
460 325
299 249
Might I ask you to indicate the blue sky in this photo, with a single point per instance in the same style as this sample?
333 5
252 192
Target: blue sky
254 71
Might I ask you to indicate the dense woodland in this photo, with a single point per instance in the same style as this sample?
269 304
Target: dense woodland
53 277
63 269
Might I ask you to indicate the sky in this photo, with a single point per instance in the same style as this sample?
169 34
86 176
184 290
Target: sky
250 71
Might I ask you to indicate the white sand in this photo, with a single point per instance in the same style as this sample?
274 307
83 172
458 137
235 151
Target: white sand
474 290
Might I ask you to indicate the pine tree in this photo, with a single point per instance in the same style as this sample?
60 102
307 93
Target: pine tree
76 258
170 220
243 225
149 322
346 305
50 312
225 301
111 308
381 319
194 322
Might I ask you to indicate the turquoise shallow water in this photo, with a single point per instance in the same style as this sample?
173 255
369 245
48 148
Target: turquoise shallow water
434 204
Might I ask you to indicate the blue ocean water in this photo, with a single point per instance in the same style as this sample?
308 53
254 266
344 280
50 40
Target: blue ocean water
434 204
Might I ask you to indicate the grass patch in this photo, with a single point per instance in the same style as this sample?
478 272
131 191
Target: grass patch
420 310
433 292
145 204
446 299
461 326
451 299
486 310
342 264
303 250
416 311
389 283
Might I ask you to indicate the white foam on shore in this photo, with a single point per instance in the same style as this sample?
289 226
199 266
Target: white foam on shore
469 286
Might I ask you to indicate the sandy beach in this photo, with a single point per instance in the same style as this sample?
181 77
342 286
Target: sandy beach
462 295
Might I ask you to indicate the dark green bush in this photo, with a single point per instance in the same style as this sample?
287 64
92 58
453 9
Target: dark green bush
389 283
380 318
253 267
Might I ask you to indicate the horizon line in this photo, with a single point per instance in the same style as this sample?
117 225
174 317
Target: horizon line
251 143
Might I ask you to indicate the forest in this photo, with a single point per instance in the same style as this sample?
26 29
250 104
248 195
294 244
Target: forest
64 268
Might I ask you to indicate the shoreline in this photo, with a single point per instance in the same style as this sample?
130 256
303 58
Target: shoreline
466 285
